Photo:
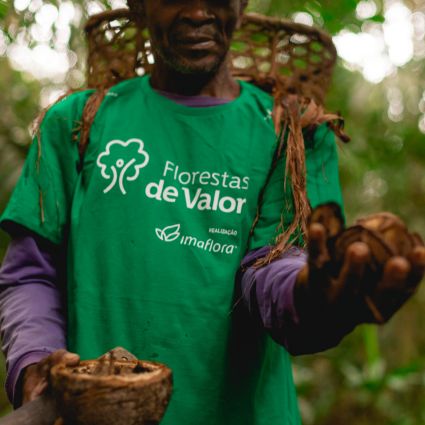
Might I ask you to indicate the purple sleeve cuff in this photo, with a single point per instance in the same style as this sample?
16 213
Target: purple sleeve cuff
31 315
268 293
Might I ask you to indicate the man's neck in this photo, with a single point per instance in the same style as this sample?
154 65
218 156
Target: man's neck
221 84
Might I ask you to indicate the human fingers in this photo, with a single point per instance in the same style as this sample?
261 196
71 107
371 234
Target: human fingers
318 254
59 356
352 271
314 275
396 271
417 261
392 291
35 380
63 356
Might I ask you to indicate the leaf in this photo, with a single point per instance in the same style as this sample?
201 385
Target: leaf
172 237
169 234
377 18
160 234
407 370
4 8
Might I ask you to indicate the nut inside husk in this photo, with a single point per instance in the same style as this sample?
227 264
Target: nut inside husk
385 234
110 392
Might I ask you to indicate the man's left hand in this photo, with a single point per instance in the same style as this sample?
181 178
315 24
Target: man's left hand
349 291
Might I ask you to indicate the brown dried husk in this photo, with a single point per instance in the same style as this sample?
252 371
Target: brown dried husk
386 236
86 395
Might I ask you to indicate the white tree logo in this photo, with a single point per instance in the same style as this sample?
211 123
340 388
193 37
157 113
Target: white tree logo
122 162
168 234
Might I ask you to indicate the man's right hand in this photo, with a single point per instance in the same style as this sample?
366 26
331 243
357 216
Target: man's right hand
36 377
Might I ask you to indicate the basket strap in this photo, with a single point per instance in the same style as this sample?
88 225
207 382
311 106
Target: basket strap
89 114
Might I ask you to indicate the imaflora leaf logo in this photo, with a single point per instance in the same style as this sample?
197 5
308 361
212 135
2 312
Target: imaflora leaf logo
122 162
169 233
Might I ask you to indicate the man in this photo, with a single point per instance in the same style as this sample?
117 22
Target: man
155 223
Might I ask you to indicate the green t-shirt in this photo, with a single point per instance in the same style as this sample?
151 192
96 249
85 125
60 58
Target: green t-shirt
155 223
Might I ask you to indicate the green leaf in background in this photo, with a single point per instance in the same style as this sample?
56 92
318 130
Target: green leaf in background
4 7
380 19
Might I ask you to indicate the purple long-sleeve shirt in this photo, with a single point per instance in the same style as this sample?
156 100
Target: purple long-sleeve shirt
31 317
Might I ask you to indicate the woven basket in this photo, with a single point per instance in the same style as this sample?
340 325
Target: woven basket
272 53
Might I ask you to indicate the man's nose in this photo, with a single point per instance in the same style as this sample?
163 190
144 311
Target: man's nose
198 12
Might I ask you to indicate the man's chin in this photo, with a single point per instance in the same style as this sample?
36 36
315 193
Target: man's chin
202 66
196 69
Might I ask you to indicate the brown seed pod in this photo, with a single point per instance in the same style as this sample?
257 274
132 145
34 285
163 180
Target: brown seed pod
112 392
392 231
385 234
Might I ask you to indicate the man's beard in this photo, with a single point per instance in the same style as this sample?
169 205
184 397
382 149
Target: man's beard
186 66
198 64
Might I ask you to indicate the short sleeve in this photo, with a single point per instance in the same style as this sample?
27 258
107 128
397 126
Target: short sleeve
323 185
41 200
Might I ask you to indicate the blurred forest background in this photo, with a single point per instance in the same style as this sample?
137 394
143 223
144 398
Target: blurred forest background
377 375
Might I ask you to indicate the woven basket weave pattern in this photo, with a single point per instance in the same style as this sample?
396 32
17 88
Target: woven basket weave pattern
297 57
269 52
117 48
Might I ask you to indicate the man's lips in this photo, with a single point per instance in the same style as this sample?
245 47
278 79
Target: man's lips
196 42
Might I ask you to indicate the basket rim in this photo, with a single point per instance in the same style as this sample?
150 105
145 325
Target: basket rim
277 23
160 372
251 17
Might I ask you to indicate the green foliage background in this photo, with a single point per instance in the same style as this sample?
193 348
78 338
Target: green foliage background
376 376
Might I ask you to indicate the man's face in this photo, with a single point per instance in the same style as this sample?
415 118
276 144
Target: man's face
192 36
